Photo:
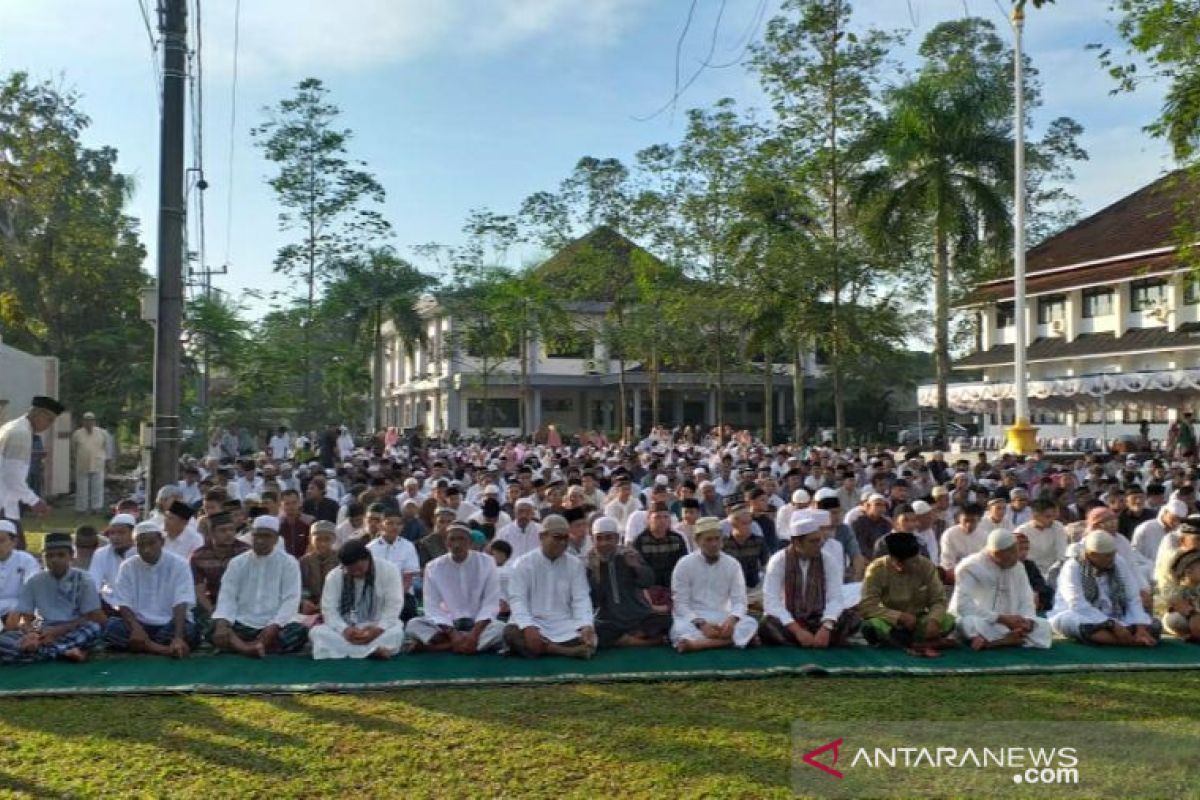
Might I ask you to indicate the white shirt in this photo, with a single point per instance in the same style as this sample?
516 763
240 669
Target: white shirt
184 544
775 600
1070 597
1046 545
1148 536
389 598
16 449
1014 518
91 449
14 571
345 532
986 525
151 591
635 525
985 591
467 590
401 553
713 592
522 541
279 445
957 544
930 540
258 591
104 568
465 511
189 492
725 486
552 596
622 511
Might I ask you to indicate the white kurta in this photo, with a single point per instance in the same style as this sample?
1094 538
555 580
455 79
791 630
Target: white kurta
185 543
258 591
983 592
1168 548
16 449
713 592
327 638
91 450
552 596
622 511
1147 537
1072 609
14 571
400 553
1046 545
774 592
522 540
1142 569
151 591
453 591
957 544
106 563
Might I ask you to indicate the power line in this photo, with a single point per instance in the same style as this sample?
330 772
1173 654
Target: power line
237 15
155 67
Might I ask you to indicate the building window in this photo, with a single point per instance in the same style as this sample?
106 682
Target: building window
1146 294
569 344
499 412
1052 308
557 405
1097 303
1004 315
1191 291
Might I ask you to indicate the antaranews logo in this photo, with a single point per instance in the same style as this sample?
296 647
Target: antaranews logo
810 758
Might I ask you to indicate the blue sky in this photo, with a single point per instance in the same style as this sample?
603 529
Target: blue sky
459 104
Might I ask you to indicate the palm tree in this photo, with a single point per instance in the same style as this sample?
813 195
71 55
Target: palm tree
370 291
945 173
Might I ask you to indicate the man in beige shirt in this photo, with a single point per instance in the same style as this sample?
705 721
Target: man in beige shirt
89 445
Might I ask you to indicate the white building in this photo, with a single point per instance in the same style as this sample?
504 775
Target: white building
21 377
575 386
1112 324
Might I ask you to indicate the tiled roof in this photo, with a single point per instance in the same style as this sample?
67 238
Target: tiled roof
1088 344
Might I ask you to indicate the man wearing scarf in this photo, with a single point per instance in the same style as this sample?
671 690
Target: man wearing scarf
360 605
903 601
619 576
993 600
1097 598
802 591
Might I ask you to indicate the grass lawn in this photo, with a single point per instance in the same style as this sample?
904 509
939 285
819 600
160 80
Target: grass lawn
726 739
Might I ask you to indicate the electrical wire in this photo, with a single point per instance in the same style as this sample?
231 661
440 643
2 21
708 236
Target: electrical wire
155 67
237 15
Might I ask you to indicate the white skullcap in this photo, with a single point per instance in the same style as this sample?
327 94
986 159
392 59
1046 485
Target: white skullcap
825 493
661 480
408 501
1100 541
1177 507
331 473
820 516
605 525
921 507
800 497
706 485
1000 539
525 501
876 497
128 520
866 492
147 527
802 526
699 471
811 483
411 482
491 488
265 522
8 527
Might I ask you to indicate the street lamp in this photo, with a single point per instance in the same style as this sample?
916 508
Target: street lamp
1022 437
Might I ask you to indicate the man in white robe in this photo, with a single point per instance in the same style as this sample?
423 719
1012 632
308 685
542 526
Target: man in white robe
993 601
523 534
16 452
182 537
107 561
708 590
154 597
1149 535
360 606
462 600
1047 536
395 549
260 596
964 539
802 590
1097 601
550 599
16 567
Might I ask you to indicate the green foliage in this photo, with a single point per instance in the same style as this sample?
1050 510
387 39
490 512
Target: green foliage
70 257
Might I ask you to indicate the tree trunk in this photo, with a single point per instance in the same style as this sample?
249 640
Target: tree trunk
941 334
622 422
835 355
524 404
654 418
798 393
720 385
768 400
377 384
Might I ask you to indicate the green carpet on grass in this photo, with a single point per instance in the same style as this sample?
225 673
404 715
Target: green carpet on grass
228 674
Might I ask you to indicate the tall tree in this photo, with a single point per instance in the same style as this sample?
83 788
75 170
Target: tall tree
372 290
824 81
326 199
70 255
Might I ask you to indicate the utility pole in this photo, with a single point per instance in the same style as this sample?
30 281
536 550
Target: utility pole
164 463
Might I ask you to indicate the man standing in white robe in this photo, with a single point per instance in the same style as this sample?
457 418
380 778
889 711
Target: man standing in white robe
1097 598
993 601
708 590
550 599
462 600
360 605
16 452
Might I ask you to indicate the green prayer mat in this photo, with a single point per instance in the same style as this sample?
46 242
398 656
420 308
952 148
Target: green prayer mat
230 674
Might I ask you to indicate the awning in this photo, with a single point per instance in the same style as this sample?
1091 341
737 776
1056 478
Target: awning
1080 392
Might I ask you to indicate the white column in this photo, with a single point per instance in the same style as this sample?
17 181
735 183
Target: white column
637 412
